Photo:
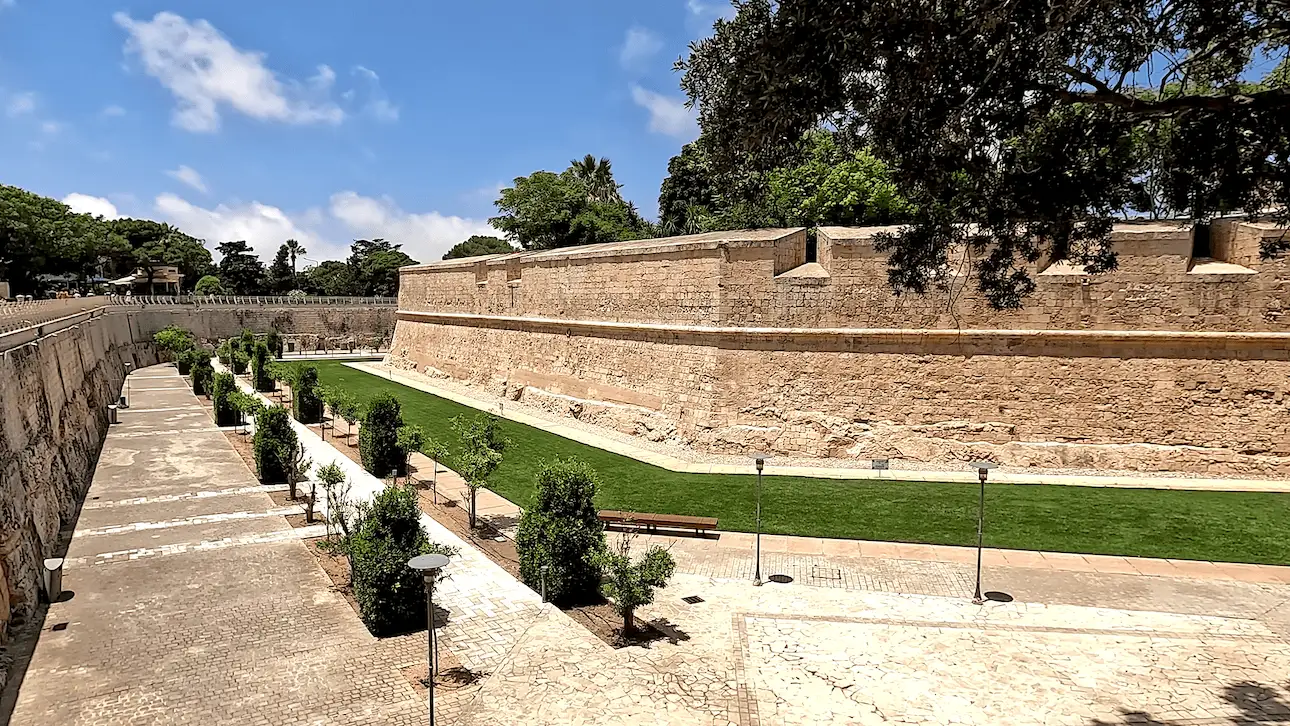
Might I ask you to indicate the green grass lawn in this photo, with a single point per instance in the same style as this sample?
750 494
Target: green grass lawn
1222 526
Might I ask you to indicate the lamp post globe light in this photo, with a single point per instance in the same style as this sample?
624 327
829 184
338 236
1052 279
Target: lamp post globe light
760 461
429 567
129 366
983 472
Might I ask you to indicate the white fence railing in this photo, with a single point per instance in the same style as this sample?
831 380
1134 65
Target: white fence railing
19 315
250 300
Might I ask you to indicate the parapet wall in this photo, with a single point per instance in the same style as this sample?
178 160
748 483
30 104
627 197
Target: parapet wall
732 342
56 382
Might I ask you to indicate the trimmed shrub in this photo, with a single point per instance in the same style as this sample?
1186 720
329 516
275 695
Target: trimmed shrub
223 388
225 354
378 439
184 361
274 443
240 361
246 341
174 340
274 341
202 372
306 403
562 533
260 369
391 596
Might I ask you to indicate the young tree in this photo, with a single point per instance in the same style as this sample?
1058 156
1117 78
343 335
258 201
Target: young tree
297 468
410 439
223 388
438 453
306 404
1013 129
274 445
202 372
332 478
378 438
260 369
631 584
350 410
482 445
209 285
274 341
248 406
174 340
560 533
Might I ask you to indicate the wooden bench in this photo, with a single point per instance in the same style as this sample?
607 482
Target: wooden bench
651 522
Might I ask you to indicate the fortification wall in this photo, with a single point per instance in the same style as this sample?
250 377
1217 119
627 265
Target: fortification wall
54 393
730 342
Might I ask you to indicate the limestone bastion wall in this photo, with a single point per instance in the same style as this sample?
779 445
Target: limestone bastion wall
1176 361
54 393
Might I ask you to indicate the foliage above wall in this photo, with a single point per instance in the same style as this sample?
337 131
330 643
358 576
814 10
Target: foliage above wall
1015 129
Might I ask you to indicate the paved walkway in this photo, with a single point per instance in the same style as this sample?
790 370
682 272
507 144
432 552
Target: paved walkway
192 601
680 464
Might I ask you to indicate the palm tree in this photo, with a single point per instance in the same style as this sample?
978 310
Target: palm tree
295 249
598 176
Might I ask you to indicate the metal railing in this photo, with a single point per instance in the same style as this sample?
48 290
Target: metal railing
249 300
19 315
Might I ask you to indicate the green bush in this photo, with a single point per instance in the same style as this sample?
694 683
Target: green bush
260 369
240 361
391 595
174 340
246 341
225 354
306 402
274 341
273 444
561 532
629 582
223 388
202 372
379 436
184 361
209 285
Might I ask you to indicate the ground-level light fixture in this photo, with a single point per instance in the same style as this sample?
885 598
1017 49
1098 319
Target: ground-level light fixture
760 461
429 567
983 472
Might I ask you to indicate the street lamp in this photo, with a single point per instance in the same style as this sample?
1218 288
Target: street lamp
760 460
429 566
982 471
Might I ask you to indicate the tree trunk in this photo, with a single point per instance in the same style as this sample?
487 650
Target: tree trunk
629 621
309 507
472 508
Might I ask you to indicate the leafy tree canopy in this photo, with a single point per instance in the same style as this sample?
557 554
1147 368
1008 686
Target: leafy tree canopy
280 279
240 270
209 285
40 236
374 267
579 206
332 278
155 244
479 245
1015 130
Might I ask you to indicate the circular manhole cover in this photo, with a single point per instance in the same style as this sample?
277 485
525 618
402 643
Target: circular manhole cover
998 596
781 579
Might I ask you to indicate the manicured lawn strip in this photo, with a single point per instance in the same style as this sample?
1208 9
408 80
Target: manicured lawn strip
1220 526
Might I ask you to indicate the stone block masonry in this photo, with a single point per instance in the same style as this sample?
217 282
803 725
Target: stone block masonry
731 342
54 393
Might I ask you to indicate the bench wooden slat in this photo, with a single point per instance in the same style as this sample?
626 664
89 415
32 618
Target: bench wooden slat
649 519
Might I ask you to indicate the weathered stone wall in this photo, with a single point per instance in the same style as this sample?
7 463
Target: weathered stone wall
727 343
54 394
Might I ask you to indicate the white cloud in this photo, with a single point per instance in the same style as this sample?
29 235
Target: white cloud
326 233
50 128
264 227
204 71
20 104
112 111
424 237
8 3
189 176
378 104
667 114
639 46
709 12
86 204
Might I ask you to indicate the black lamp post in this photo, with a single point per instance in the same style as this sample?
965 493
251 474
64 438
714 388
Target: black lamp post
982 470
760 460
429 567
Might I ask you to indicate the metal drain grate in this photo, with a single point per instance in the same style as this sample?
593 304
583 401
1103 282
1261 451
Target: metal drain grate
692 600
826 573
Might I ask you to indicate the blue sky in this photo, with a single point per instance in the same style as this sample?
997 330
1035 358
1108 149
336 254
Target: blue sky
331 120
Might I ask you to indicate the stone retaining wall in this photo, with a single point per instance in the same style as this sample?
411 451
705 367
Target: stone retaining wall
730 343
54 393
